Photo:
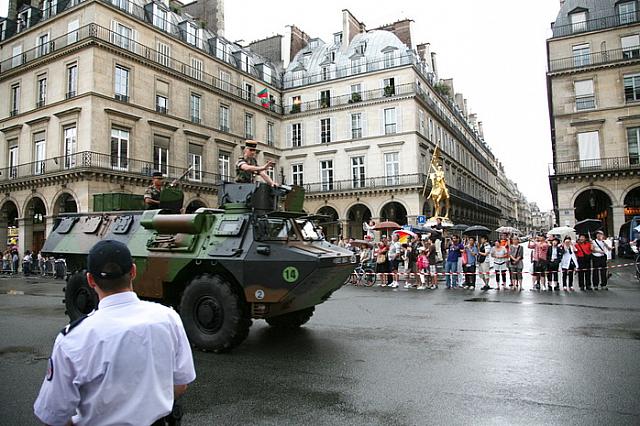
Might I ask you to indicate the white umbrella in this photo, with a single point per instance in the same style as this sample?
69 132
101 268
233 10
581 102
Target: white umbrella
562 231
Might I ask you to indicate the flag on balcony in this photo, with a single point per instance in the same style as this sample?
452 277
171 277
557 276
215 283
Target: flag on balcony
264 96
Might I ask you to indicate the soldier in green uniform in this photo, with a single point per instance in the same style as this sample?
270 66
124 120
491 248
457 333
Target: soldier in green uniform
247 166
152 193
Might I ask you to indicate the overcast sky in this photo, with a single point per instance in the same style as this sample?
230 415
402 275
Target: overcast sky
494 50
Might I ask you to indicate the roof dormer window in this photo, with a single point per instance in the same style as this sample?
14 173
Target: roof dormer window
24 19
627 12
578 20
159 17
337 38
361 48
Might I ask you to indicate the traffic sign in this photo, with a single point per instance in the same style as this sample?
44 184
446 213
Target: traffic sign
422 220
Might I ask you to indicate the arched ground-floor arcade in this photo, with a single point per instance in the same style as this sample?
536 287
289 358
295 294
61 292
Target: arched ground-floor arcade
348 213
28 211
614 201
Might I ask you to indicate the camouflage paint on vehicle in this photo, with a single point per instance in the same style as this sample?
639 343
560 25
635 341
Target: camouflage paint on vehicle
271 260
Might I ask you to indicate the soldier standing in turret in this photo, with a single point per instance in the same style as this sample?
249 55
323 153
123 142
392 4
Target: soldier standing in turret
247 166
152 193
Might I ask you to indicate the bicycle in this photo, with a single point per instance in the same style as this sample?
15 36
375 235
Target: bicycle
362 275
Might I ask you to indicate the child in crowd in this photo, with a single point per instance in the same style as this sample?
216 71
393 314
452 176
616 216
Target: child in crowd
422 265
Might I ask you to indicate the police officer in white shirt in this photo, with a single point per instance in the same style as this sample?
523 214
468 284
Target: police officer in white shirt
125 363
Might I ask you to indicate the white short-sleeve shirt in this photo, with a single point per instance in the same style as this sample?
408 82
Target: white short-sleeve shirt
118 366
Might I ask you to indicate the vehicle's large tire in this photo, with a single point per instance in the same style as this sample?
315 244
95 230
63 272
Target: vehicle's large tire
79 298
291 320
215 315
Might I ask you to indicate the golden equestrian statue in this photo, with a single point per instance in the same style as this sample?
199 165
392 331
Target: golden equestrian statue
439 191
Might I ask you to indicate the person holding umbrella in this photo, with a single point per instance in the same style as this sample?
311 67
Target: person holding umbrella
484 249
583 253
601 251
471 254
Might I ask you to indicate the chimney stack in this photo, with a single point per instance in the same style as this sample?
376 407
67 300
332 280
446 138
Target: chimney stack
424 52
210 12
299 39
402 30
350 27
480 130
12 12
434 65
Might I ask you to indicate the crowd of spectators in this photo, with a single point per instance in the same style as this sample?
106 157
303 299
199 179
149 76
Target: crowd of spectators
463 261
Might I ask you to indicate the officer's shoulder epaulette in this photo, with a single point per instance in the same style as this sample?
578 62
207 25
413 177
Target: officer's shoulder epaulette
73 324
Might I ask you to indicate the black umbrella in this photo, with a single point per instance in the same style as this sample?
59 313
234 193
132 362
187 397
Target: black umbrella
477 230
588 226
459 227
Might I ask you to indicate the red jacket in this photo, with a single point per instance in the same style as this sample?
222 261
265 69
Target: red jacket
583 249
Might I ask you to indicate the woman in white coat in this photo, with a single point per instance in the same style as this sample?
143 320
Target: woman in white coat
568 262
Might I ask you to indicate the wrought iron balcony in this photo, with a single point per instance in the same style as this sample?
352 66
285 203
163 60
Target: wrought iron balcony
595 59
336 186
293 80
611 164
93 31
89 161
595 24
350 99
132 9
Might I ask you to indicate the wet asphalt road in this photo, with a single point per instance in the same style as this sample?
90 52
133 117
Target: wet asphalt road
373 356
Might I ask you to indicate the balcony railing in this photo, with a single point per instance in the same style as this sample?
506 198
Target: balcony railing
387 92
173 30
95 161
366 183
595 24
139 12
610 164
93 31
597 58
293 80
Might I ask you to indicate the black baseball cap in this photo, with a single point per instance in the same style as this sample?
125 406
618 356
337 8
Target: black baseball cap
109 259
157 175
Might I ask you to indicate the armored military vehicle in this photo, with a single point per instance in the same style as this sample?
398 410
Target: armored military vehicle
219 268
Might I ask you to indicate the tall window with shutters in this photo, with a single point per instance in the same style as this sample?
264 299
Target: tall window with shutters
223 118
326 175
39 152
161 154
195 162
392 168
72 80
630 46
297 174
13 159
325 130
224 165
589 150
70 146
296 135
357 172
356 125
119 149
633 142
390 124
585 98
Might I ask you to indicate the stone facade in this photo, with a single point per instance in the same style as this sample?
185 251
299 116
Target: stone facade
111 93
594 58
